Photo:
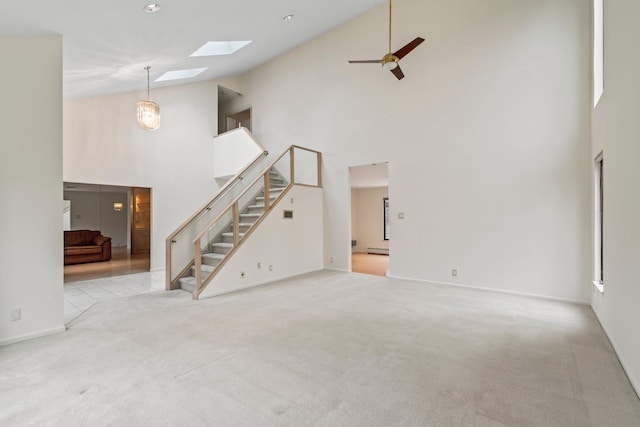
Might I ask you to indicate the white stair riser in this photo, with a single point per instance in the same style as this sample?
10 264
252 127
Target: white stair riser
257 209
206 270
228 237
260 199
249 218
212 259
187 285
221 249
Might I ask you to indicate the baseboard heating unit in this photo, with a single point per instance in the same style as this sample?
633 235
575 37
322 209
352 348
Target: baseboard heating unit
378 251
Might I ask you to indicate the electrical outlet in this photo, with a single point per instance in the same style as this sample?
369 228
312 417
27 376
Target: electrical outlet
454 272
400 215
242 274
331 260
271 268
259 265
292 200
16 314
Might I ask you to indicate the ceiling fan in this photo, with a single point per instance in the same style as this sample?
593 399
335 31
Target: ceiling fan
391 60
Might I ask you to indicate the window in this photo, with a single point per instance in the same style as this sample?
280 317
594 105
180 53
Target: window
598 50
385 203
599 223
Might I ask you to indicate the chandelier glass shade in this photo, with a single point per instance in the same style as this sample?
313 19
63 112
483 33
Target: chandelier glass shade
148 111
149 115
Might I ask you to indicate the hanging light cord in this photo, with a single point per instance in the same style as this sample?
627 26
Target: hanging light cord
390 11
148 92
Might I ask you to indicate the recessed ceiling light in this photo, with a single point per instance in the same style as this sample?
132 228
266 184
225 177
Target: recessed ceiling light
220 48
180 74
288 18
151 8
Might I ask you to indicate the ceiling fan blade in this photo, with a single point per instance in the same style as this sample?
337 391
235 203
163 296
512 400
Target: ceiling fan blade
398 73
369 61
408 47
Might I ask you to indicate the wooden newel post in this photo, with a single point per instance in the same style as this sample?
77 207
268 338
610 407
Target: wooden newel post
266 192
198 263
292 165
236 224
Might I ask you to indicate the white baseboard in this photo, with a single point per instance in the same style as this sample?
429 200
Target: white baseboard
635 384
262 283
501 291
341 270
31 336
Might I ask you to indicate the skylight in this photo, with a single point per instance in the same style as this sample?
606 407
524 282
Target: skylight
180 74
220 48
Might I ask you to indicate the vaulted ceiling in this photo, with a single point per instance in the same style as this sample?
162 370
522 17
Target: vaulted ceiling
107 43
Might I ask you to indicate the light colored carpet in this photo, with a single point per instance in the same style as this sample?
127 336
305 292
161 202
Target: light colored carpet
327 349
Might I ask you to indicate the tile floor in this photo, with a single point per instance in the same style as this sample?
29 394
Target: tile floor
80 296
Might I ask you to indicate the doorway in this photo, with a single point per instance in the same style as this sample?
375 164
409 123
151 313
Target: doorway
232 112
238 119
109 209
140 220
370 231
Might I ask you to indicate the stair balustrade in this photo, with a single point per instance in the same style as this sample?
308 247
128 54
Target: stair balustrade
179 253
214 245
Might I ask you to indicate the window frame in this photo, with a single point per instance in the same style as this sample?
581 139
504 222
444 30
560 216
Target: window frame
598 51
598 232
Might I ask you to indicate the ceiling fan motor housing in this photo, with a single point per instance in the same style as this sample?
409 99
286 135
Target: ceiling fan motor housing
390 61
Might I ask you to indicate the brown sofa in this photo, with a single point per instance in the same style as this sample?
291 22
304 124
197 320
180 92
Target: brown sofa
86 246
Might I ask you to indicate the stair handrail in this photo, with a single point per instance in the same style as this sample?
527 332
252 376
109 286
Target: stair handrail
261 176
205 208
202 284
255 181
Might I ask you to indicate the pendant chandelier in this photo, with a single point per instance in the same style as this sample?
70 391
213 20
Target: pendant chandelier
148 111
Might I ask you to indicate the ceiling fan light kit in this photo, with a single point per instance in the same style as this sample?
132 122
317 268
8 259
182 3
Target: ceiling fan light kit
391 61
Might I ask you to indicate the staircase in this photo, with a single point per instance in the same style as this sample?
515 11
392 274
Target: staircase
215 251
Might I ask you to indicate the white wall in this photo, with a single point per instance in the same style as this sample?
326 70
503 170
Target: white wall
66 215
368 218
94 211
232 151
354 224
616 131
487 137
112 223
291 246
31 186
103 144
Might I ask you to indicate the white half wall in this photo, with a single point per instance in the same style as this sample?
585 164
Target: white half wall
103 144
232 151
291 246
487 137
31 186
616 132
